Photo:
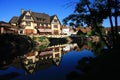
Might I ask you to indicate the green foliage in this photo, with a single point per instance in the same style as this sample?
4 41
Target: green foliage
81 33
42 39
98 48
42 43
93 13
40 47
89 33
85 11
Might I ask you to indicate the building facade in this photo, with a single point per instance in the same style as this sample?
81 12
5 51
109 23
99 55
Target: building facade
6 28
36 23
65 30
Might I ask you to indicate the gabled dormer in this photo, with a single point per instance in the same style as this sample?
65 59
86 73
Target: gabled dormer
55 20
55 25
26 16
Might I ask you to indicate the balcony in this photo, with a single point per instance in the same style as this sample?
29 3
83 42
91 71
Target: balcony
43 27
45 30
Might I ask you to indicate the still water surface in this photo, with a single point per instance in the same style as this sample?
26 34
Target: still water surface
51 63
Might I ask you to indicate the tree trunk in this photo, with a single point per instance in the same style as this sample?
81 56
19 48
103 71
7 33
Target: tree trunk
116 21
101 36
95 23
111 22
112 31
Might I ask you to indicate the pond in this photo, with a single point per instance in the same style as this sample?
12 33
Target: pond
54 62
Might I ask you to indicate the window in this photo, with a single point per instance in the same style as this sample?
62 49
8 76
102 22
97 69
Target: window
56 55
55 26
43 20
56 49
27 17
56 32
28 23
39 19
55 20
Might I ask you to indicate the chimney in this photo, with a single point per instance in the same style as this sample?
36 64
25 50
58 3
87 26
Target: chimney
22 11
30 11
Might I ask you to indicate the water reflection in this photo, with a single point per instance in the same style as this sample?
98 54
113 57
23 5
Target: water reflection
55 62
52 55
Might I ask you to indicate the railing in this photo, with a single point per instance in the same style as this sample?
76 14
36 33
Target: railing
52 36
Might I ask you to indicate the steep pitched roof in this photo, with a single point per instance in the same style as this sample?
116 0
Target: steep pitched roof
40 17
21 16
4 24
37 17
14 19
52 17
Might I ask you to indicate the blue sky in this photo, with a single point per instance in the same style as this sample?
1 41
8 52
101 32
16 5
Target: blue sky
10 8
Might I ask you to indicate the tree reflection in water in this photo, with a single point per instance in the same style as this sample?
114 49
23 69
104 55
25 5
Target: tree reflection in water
34 61
104 66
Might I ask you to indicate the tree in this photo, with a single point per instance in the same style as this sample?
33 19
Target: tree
81 33
111 7
93 13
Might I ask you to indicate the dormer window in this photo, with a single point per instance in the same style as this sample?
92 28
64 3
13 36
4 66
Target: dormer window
43 20
39 19
27 17
55 20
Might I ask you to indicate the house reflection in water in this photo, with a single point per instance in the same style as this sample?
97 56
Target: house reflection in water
38 60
